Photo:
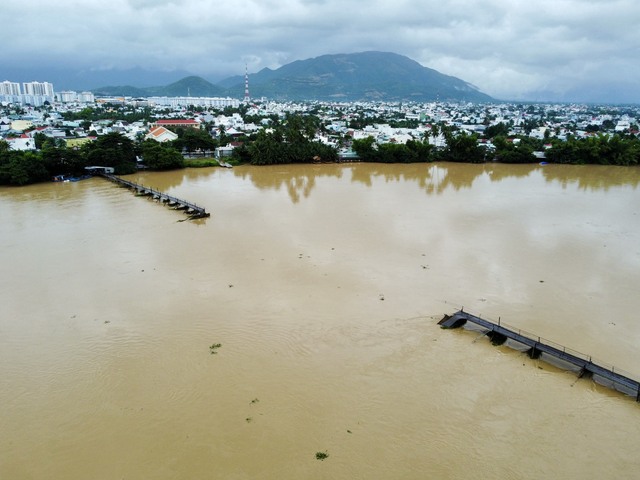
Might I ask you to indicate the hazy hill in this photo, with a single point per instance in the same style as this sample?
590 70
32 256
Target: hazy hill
189 86
349 77
356 76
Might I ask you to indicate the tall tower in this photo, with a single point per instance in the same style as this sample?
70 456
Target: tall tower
246 84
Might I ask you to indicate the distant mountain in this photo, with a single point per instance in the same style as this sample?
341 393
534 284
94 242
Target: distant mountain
67 78
124 91
343 77
356 76
187 87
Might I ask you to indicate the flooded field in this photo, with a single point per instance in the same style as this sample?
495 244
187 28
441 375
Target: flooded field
323 286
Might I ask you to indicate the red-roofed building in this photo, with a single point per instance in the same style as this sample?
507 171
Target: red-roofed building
23 142
161 134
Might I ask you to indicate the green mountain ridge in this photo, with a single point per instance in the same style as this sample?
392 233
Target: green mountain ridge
381 76
192 86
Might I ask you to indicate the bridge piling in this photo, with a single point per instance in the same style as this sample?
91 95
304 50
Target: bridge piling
582 364
191 209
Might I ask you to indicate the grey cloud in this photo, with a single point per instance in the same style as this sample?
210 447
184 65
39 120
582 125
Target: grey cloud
509 49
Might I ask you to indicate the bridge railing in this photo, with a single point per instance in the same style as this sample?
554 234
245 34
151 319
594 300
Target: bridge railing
141 188
562 348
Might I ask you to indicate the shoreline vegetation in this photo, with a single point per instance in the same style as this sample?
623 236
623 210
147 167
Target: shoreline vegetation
293 140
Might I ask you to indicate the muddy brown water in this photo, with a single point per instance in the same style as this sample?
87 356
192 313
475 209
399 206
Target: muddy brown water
323 284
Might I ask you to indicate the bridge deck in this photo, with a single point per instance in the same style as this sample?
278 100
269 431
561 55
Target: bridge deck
537 346
191 209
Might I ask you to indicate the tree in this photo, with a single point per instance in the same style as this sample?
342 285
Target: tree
290 142
508 151
600 150
413 151
40 138
60 160
113 150
157 156
462 147
498 129
421 151
265 150
192 139
222 135
21 168
367 149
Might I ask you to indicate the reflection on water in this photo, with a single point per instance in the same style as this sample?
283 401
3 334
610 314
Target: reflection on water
323 284
598 178
300 180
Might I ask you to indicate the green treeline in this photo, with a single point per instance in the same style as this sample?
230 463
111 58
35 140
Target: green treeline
413 151
600 150
292 140
623 150
55 158
289 142
460 147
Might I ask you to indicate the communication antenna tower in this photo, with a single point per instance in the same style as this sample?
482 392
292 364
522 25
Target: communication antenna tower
246 84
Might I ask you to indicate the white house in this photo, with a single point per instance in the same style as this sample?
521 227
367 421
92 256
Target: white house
23 142
622 125
222 152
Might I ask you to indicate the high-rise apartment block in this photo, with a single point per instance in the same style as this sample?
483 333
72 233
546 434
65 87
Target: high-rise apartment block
9 88
44 89
31 93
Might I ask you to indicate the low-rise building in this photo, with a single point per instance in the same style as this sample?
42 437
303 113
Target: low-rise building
174 122
161 134
23 142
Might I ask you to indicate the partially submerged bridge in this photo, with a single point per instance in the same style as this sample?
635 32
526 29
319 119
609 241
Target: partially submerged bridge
191 209
557 355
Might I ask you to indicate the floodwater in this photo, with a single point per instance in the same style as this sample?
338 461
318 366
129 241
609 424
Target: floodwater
323 284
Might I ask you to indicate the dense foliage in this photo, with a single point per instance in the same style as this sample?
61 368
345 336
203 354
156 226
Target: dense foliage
157 156
122 112
411 152
462 147
290 142
193 139
21 168
112 150
293 140
512 152
600 150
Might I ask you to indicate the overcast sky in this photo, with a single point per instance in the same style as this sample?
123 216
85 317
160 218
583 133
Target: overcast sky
510 49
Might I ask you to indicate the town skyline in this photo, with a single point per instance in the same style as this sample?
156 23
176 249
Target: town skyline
568 50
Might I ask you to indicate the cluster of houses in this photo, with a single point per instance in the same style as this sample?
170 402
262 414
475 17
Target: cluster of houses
385 122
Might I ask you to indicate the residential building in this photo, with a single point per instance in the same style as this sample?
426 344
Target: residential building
160 134
67 96
86 97
183 123
200 101
9 88
44 89
23 142
21 125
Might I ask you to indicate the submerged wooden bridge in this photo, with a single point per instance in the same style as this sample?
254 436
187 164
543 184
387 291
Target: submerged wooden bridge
554 354
191 209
